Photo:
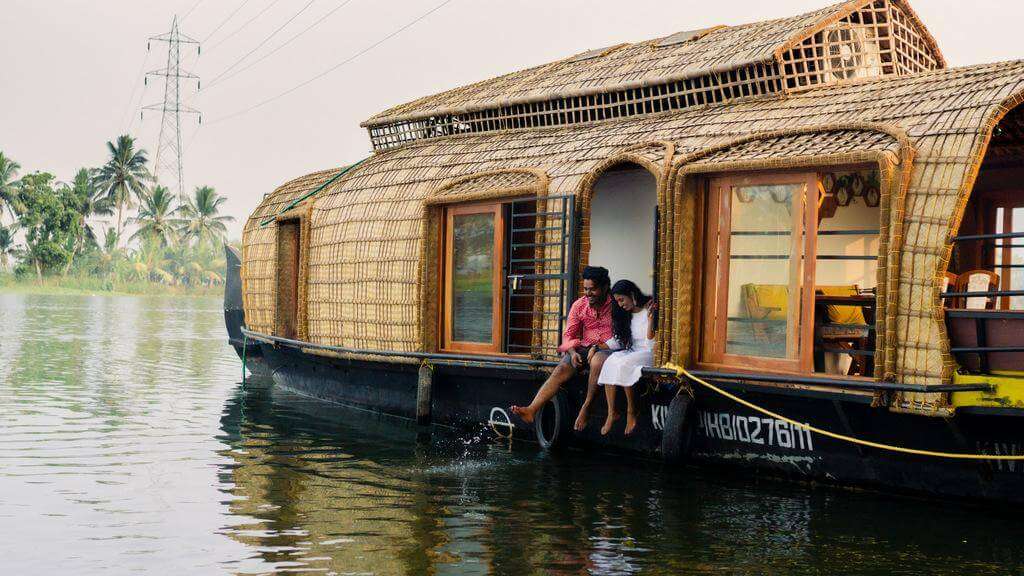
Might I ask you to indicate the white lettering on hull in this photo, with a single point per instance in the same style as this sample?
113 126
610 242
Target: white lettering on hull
1003 449
658 415
770 432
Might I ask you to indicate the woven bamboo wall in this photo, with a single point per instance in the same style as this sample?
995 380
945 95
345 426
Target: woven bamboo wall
259 251
367 228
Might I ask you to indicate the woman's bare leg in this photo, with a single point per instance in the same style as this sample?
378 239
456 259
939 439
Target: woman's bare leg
630 411
610 390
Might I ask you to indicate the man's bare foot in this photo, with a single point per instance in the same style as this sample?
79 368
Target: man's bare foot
612 417
526 413
630 423
581 420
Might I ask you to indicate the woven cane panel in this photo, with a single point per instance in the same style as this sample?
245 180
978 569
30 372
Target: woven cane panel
373 215
475 187
259 251
824 143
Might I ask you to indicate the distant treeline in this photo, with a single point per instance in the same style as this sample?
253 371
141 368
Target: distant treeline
47 227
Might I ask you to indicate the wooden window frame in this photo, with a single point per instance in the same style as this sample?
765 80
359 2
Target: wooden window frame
714 284
496 346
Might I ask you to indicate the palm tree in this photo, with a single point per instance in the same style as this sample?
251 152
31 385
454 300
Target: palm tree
124 175
201 216
149 262
110 254
8 190
91 201
155 218
6 245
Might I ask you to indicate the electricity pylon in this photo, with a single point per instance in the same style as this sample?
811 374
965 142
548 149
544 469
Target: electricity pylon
168 160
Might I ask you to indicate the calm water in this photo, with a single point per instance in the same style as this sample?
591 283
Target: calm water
128 446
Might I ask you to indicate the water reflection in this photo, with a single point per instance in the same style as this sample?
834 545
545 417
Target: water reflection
129 447
346 491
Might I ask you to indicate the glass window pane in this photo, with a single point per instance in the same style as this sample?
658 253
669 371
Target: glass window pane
472 277
764 264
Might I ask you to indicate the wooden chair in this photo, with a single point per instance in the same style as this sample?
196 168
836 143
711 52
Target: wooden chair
767 302
978 281
949 285
842 327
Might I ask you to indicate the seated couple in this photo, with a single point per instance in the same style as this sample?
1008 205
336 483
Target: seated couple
611 331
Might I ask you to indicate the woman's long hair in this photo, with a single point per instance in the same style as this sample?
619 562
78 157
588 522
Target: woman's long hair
621 319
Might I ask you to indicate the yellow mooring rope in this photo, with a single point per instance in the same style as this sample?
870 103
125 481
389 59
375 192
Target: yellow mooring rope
681 372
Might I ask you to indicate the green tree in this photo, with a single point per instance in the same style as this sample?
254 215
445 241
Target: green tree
6 245
91 201
149 263
50 221
156 217
123 176
88 201
8 184
201 216
110 255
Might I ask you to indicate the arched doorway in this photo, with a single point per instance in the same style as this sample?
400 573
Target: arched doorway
624 224
988 260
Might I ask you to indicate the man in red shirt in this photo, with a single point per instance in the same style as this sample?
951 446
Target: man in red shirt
589 323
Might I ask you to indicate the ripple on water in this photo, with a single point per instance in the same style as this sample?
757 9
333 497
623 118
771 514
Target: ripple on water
129 447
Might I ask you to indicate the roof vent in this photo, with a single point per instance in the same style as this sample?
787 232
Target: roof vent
686 36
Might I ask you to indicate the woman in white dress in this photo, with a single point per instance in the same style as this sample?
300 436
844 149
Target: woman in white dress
632 348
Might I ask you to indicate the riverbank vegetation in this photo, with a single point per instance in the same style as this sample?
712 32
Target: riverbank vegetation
57 235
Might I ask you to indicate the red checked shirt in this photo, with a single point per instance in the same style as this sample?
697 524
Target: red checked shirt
587 326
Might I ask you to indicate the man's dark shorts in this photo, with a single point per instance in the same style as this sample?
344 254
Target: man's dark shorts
582 351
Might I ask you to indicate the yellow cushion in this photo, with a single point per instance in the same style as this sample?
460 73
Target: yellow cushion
843 314
773 298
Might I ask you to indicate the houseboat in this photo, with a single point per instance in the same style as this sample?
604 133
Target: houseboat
830 217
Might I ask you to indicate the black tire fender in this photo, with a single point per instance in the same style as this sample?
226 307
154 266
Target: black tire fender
552 424
675 439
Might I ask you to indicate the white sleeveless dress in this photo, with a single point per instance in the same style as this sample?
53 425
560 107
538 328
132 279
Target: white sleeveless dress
623 367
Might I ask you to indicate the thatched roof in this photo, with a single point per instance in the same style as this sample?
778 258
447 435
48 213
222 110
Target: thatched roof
649 63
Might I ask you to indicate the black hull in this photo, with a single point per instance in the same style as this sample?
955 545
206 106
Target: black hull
718 431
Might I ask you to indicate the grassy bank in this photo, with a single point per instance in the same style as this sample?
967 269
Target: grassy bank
79 285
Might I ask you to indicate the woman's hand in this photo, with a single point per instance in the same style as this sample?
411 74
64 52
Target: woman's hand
590 353
652 305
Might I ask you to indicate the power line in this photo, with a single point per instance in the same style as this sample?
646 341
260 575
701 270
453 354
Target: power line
264 41
138 103
194 6
225 21
286 42
335 67
131 97
244 26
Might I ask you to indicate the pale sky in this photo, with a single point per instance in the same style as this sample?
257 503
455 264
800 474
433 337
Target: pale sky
70 67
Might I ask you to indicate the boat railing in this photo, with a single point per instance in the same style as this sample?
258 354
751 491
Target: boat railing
990 338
